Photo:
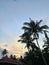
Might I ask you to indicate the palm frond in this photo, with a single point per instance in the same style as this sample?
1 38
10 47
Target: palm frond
26 23
25 34
19 40
45 45
46 35
23 41
25 28
46 31
31 20
44 27
37 35
37 23
34 39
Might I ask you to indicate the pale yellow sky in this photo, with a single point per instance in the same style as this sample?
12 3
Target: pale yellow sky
17 49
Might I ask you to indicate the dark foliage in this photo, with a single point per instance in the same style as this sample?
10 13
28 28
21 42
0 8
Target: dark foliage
36 56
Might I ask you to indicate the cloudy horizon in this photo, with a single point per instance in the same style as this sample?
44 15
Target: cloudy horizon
13 13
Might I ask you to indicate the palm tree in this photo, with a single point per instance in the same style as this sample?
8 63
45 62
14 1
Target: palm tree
11 56
4 52
25 38
14 57
34 29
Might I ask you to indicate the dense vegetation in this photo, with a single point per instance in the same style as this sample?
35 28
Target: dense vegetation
32 32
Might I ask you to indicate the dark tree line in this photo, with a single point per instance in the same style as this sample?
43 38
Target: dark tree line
4 54
32 32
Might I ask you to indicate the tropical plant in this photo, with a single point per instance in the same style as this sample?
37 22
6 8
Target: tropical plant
6 56
14 57
33 58
33 29
11 56
46 43
45 50
4 52
25 38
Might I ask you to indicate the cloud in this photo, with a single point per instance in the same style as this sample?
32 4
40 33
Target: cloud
19 49
16 49
13 47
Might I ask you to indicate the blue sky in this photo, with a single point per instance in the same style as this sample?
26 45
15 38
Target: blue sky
13 13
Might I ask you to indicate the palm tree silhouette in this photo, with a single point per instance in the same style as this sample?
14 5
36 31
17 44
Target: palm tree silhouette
11 56
25 38
4 52
33 29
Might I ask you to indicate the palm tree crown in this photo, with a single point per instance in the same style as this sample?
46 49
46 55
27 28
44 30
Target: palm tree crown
33 28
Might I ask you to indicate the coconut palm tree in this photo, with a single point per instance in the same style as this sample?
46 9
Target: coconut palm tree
4 52
25 38
33 29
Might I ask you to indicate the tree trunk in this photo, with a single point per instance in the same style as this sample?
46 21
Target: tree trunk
41 53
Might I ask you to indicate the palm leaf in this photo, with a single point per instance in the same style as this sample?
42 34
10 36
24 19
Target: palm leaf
25 28
44 27
45 31
34 39
39 22
31 20
26 23
37 35
23 41
25 34
44 45
32 23
46 35
19 40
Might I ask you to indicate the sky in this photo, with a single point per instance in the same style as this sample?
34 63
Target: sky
13 13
